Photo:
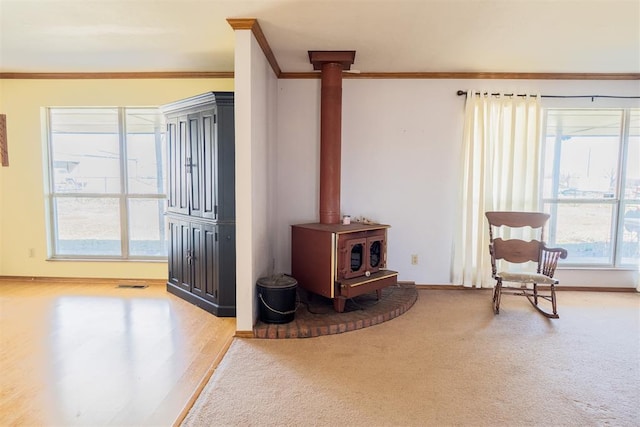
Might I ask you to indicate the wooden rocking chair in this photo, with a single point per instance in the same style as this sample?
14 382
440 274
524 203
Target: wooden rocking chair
517 251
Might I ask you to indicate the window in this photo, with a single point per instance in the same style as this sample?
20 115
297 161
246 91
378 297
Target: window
592 185
106 183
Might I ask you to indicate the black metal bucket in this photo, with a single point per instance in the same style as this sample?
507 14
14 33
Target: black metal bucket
277 298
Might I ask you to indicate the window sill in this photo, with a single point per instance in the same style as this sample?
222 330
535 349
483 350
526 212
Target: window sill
72 259
597 268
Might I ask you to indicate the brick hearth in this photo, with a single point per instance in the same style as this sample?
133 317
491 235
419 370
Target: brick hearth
315 315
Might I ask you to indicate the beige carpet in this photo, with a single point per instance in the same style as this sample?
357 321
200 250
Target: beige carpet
447 361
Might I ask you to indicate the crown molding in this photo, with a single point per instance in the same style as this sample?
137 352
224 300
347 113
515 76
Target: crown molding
316 75
474 75
253 25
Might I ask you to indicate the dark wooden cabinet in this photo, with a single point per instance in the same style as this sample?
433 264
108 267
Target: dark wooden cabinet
201 201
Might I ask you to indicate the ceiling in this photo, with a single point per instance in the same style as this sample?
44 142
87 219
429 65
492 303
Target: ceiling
392 36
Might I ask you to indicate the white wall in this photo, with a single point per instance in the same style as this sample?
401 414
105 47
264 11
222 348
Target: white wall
255 112
400 161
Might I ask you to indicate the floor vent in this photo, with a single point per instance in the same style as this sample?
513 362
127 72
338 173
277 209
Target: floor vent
132 286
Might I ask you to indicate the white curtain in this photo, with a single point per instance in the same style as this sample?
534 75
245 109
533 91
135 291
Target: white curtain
500 171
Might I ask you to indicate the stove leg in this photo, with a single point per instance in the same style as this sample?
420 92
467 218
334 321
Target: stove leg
339 303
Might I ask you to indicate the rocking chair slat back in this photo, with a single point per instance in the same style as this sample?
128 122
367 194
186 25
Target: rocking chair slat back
516 251
518 219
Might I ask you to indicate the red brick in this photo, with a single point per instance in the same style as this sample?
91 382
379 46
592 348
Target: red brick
367 311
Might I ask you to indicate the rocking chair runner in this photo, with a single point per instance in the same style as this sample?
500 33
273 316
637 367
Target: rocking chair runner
520 251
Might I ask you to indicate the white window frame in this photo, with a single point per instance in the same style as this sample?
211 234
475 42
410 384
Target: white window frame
618 202
123 196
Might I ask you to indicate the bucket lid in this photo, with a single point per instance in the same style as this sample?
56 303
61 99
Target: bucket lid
277 281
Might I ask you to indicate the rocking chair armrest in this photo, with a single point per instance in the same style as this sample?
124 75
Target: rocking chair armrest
563 252
549 259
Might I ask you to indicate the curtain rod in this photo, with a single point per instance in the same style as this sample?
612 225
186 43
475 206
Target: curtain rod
464 92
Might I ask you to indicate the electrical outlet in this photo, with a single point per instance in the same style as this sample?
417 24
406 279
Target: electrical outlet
32 252
414 259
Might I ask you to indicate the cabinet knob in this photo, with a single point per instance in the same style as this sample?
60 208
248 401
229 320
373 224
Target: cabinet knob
189 164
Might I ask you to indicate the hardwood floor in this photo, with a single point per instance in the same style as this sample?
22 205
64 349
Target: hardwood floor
91 353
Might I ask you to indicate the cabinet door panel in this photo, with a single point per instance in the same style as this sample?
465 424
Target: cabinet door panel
175 254
173 159
226 184
210 262
177 153
179 254
226 260
183 147
194 173
209 168
198 259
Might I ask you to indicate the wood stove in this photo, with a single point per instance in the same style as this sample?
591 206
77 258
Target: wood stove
341 261
338 261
